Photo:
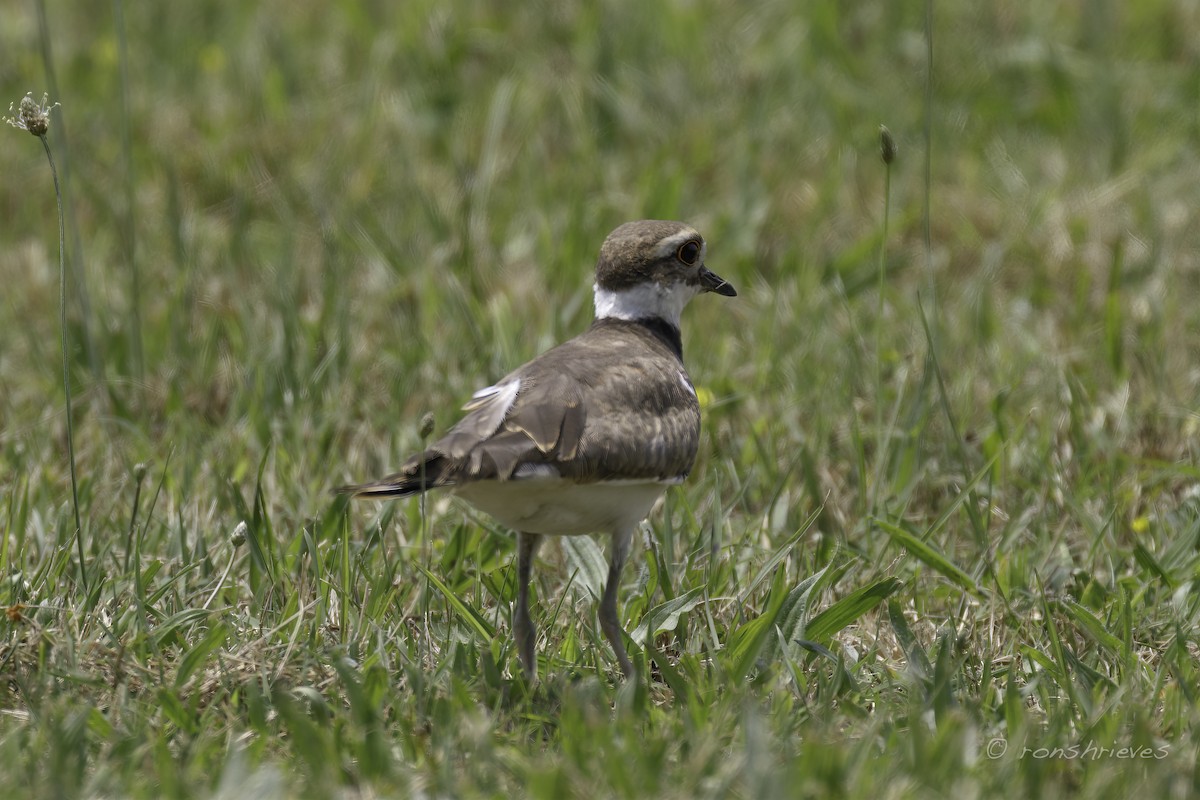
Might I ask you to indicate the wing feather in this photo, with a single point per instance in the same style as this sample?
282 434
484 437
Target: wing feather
607 405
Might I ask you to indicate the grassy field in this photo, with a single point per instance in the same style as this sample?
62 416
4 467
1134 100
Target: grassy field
943 538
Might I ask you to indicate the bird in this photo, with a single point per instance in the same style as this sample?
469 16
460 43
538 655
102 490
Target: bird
588 435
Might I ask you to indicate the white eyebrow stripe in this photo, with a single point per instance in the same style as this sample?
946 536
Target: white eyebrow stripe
668 245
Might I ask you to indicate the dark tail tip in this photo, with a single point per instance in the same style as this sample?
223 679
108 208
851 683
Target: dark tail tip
379 491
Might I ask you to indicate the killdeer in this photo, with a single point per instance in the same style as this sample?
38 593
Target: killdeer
587 436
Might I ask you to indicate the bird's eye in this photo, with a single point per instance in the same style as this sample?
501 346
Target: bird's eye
689 253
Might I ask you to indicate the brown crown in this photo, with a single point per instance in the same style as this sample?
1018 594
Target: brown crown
633 253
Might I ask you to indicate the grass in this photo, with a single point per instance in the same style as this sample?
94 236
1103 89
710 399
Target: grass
958 563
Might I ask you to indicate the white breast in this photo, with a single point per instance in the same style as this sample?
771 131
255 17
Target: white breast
559 507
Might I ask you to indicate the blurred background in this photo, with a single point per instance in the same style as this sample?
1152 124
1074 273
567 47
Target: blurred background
305 225
294 228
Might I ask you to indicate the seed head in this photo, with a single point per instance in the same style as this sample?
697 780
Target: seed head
31 116
887 145
427 423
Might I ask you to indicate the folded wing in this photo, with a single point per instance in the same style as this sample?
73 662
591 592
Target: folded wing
585 411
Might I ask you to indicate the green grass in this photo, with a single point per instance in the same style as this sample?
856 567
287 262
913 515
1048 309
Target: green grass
914 538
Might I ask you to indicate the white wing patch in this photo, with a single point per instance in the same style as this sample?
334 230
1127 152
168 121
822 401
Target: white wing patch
536 471
502 393
491 404
687 383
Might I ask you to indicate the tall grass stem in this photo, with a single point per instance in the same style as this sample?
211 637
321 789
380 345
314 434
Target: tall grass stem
928 136
128 221
888 152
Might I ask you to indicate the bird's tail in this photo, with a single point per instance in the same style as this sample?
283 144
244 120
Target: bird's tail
382 489
419 475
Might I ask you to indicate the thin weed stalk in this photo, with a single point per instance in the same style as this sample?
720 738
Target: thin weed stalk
90 346
928 135
34 118
425 431
64 340
128 226
887 149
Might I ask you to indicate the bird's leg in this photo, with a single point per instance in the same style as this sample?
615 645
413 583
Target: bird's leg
523 630
622 539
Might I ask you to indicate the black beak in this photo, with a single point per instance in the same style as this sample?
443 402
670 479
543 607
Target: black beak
712 282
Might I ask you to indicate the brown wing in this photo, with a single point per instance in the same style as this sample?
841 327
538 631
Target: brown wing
611 404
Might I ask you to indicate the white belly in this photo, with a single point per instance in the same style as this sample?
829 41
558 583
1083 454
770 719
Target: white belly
561 508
